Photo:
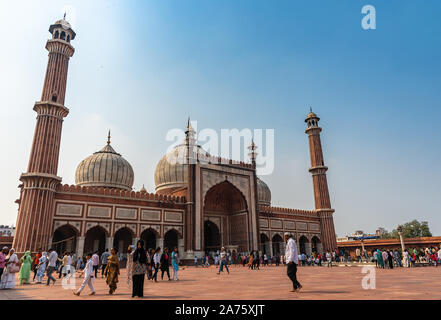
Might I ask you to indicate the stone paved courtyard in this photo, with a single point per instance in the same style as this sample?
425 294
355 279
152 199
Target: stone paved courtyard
267 283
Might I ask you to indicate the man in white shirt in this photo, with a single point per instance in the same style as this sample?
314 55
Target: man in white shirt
223 261
406 258
52 262
88 276
292 260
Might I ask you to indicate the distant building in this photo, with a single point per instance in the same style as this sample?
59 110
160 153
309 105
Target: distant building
7 231
388 244
358 235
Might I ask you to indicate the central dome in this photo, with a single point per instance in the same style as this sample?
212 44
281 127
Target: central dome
105 168
171 170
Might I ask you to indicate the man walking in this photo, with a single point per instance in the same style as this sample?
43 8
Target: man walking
104 258
95 262
223 261
52 262
329 259
88 277
292 260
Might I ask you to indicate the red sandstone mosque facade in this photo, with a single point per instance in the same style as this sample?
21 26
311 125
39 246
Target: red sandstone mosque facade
200 204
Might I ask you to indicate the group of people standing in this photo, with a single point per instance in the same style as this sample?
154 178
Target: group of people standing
10 265
141 262
387 259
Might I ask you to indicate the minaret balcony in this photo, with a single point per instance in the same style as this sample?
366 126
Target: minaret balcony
50 108
318 170
60 46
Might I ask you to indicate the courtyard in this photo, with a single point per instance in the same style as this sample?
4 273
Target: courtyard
271 282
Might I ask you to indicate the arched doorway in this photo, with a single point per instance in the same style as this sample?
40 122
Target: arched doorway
315 244
171 239
122 240
277 244
95 240
212 239
65 239
264 244
226 203
302 244
149 237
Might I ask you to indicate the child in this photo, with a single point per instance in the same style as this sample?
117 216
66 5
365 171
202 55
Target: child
88 276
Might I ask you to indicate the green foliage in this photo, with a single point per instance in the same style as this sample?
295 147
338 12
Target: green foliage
412 229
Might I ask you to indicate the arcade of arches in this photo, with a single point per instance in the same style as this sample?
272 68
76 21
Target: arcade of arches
277 244
227 205
66 238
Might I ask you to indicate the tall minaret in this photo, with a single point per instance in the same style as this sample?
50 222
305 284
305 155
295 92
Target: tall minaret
321 193
190 161
34 220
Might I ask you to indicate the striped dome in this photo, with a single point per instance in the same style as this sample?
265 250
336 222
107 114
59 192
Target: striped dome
263 193
105 168
171 170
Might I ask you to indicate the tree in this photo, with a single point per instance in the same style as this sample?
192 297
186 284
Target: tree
412 229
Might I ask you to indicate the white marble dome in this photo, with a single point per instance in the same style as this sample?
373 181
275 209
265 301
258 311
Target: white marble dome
105 168
171 170
263 193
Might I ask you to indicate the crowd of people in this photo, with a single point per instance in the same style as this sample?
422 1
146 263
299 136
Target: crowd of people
141 262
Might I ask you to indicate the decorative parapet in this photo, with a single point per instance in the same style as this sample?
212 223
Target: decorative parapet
208 159
269 210
120 193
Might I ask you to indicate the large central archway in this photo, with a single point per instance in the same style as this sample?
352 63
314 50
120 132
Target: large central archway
227 204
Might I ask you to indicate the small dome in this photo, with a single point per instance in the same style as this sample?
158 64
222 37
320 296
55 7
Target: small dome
171 170
311 115
263 193
66 25
143 189
105 168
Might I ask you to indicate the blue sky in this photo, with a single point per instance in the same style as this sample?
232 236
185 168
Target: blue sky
142 67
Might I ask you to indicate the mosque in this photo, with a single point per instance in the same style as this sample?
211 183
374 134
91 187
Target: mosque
201 202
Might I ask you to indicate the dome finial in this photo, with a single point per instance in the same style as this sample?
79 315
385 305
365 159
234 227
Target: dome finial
108 138
188 123
64 17
310 109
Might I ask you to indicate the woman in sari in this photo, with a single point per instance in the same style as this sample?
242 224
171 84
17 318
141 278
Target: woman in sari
139 269
250 261
175 263
25 270
8 277
112 270
41 268
380 258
